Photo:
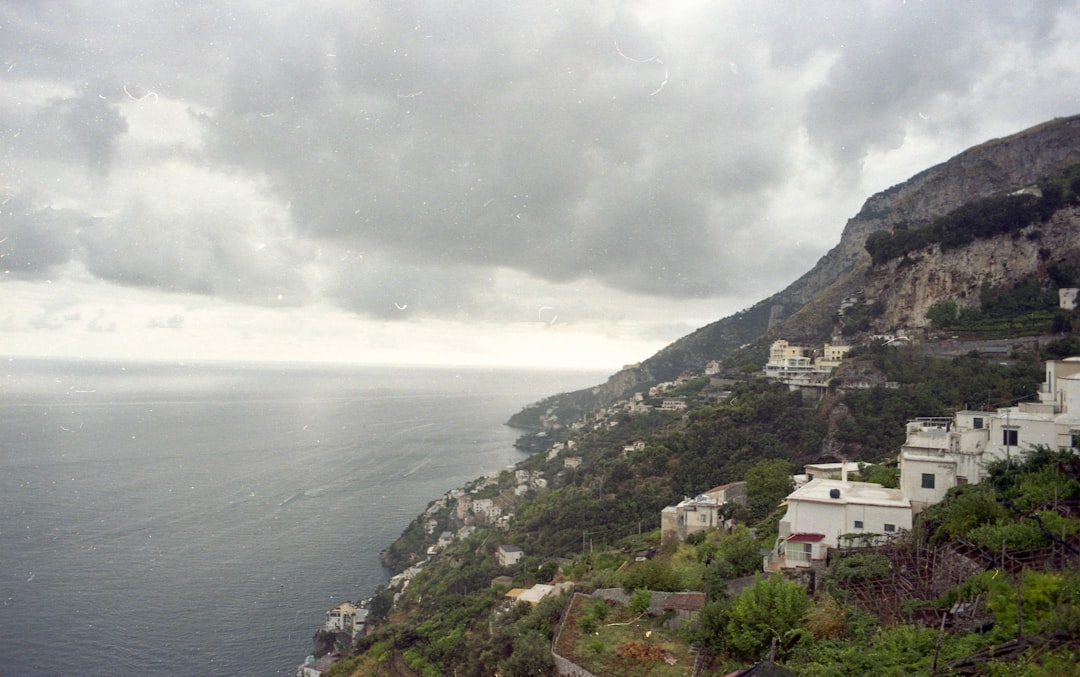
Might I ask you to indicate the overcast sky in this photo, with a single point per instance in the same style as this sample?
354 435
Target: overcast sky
529 183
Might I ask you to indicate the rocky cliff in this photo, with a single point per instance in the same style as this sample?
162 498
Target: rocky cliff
806 309
909 287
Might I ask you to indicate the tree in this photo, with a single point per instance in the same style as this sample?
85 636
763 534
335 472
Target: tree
767 483
640 601
771 609
942 314
531 656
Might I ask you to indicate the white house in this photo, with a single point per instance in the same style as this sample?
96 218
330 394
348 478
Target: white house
346 617
938 454
945 452
823 510
1067 298
486 508
315 667
700 513
508 555
787 359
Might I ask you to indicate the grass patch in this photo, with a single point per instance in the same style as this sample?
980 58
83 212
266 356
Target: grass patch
624 643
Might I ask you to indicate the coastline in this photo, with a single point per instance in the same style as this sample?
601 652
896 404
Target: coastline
396 576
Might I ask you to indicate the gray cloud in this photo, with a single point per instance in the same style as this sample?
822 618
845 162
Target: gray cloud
197 251
35 240
416 150
171 322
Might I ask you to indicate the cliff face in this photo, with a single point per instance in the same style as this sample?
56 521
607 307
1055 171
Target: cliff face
805 310
997 166
908 288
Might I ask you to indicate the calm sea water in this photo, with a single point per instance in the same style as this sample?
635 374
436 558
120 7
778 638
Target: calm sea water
199 520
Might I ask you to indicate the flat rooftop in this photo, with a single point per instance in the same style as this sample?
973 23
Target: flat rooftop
864 493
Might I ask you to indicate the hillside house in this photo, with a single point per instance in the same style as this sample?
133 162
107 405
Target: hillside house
1067 298
700 513
796 366
464 507
831 357
820 512
673 404
507 555
941 453
787 359
316 667
531 595
346 617
938 454
487 509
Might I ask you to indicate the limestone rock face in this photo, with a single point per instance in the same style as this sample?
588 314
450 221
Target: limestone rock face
908 288
994 167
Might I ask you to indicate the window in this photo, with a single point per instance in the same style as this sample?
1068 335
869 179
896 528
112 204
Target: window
928 480
890 528
1010 437
1074 439
961 480
977 422
858 524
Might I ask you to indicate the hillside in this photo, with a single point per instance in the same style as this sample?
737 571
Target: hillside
593 523
969 256
806 310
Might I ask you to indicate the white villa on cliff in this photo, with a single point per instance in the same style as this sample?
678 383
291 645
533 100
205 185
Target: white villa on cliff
938 454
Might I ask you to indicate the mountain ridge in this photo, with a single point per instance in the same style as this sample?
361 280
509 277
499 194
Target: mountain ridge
805 309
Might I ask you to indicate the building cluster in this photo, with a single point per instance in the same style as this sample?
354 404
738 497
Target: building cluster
938 454
800 365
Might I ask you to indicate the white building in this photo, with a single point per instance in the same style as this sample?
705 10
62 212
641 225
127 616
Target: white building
795 364
788 359
346 617
508 555
822 511
1067 298
938 454
942 453
700 513
315 667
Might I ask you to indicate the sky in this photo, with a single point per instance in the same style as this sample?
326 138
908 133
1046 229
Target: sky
540 184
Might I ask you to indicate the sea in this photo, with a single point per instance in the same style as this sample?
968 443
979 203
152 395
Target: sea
200 519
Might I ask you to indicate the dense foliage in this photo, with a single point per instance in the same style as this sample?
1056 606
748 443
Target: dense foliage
926 386
981 219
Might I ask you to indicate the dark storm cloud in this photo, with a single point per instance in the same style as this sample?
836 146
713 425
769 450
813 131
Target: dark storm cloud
529 140
895 60
421 146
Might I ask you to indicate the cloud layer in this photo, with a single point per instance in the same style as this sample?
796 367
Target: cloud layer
473 162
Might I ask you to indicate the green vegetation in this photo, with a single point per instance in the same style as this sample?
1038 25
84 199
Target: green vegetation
981 219
596 525
1026 308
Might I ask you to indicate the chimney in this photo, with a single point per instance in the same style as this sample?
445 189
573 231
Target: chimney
843 471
